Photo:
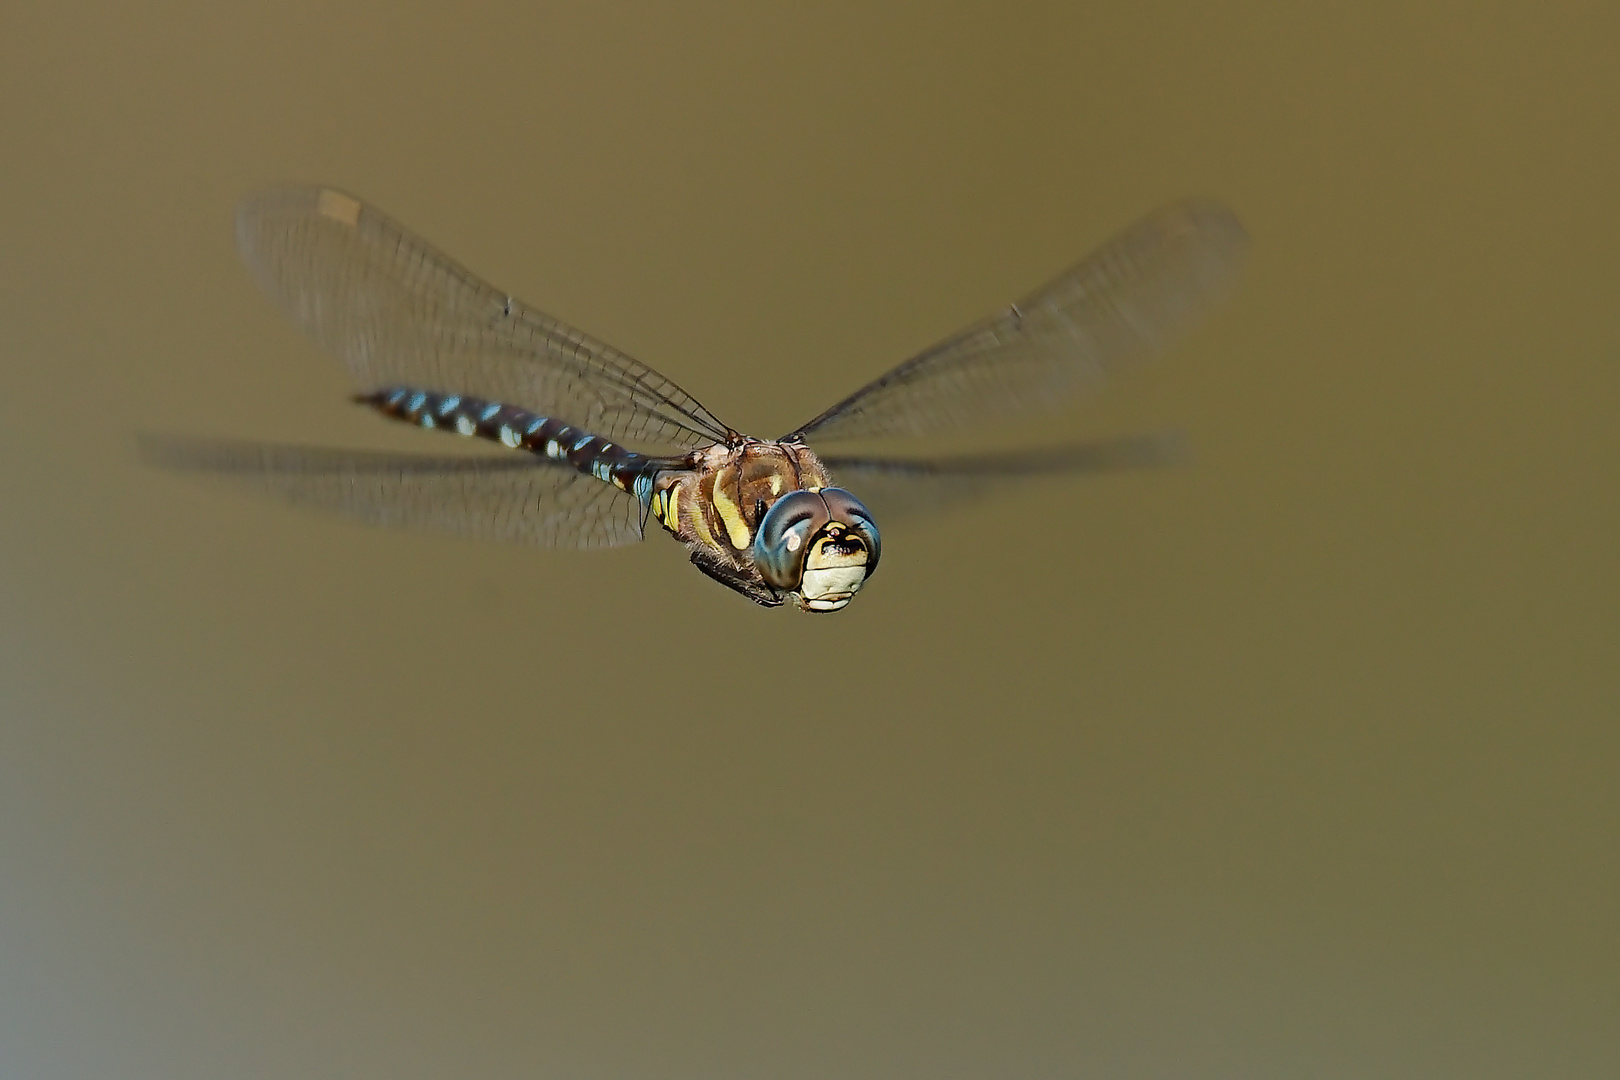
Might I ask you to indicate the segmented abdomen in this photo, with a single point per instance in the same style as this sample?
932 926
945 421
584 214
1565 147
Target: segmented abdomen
520 430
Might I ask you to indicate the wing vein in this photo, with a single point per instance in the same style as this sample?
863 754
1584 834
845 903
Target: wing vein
1118 306
400 313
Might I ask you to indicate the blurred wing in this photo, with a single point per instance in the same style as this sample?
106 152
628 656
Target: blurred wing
1122 304
894 487
398 313
522 498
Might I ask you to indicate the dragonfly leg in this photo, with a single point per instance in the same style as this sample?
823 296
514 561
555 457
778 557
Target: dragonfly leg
731 578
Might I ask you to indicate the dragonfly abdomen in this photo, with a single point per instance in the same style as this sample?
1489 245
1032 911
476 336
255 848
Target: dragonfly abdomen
518 429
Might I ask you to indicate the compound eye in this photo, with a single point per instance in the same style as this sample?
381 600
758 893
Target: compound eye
784 536
846 508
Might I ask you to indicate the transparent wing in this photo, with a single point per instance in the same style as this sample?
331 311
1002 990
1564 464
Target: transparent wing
513 497
894 487
1122 304
399 313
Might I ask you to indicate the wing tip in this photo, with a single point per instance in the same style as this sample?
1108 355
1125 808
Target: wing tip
195 454
339 206
1207 222
168 452
258 211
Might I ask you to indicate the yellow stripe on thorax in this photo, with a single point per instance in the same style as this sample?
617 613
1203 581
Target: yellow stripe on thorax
730 515
694 517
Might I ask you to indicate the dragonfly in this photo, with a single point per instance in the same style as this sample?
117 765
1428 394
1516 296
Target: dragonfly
599 444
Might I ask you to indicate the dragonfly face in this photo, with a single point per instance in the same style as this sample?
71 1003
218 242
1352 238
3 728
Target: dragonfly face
819 546
603 442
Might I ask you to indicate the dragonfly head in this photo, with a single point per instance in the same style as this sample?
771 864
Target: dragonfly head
819 546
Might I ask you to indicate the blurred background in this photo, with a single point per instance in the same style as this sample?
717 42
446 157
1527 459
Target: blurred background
1299 761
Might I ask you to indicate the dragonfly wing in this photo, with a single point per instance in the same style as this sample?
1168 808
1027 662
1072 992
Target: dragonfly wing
1120 305
399 313
522 498
896 487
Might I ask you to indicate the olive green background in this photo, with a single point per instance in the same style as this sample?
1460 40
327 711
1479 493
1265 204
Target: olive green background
1297 762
